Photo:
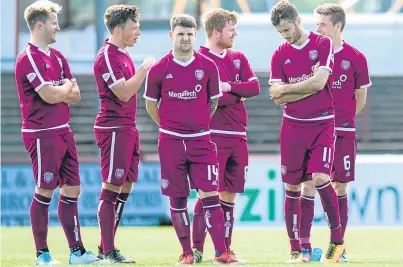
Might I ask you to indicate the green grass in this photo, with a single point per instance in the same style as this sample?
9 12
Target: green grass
159 246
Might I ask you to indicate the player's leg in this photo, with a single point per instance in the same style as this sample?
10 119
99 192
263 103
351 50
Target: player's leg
293 153
307 214
344 172
175 185
203 172
234 182
45 168
116 151
320 165
127 187
70 190
199 229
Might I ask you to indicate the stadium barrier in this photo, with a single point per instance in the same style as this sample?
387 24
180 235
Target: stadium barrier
376 197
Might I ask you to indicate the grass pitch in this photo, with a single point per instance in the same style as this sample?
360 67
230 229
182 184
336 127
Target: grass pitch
158 246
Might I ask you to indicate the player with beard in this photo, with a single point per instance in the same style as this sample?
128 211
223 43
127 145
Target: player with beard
349 89
228 125
307 132
115 126
182 91
46 87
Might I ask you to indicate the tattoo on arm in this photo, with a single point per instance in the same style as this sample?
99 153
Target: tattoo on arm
213 106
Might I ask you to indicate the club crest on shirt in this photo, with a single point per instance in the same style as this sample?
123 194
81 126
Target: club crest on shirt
283 170
164 183
345 64
48 176
313 54
237 63
199 74
119 173
106 76
60 62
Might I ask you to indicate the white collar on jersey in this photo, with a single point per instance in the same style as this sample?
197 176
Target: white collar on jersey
41 50
299 47
339 49
219 55
184 64
122 50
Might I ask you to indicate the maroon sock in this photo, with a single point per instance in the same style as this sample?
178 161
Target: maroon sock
292 209
68 216
199 229
106 219
307 214
228 209
214 217
331 207
39 215
343 208
120 204
180 221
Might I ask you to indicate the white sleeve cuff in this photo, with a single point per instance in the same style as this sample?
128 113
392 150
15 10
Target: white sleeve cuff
41 85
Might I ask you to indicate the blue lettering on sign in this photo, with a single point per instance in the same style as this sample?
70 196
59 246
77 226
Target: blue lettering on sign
145 206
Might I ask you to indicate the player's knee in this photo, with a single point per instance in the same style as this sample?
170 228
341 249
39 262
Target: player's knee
293 187
44 192
203 194
127 187
340 188
112 187
227 196
71 191
320 178
308 189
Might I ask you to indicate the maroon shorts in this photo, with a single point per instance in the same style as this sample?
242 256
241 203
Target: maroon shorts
305 148
120 155
233 162
187 164
344 160
54 160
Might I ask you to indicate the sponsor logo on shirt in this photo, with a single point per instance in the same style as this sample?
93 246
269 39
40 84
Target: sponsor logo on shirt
338 83
186 95
301 78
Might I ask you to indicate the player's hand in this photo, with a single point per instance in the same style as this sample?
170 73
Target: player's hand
67 81
148 62
243 99
275 91
225 87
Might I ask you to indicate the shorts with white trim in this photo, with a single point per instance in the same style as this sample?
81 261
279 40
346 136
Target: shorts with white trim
306 148
54 160
187 164
120 155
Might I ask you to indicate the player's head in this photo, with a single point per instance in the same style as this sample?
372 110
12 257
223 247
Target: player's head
183 33
330 19
220 27
284 16
41 18
123 23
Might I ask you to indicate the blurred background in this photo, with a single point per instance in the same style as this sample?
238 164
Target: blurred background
375 27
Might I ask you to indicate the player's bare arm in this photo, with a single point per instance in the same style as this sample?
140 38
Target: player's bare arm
213 106
74 97
312 85
126 89
290 98
55 94
361 97
152 110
